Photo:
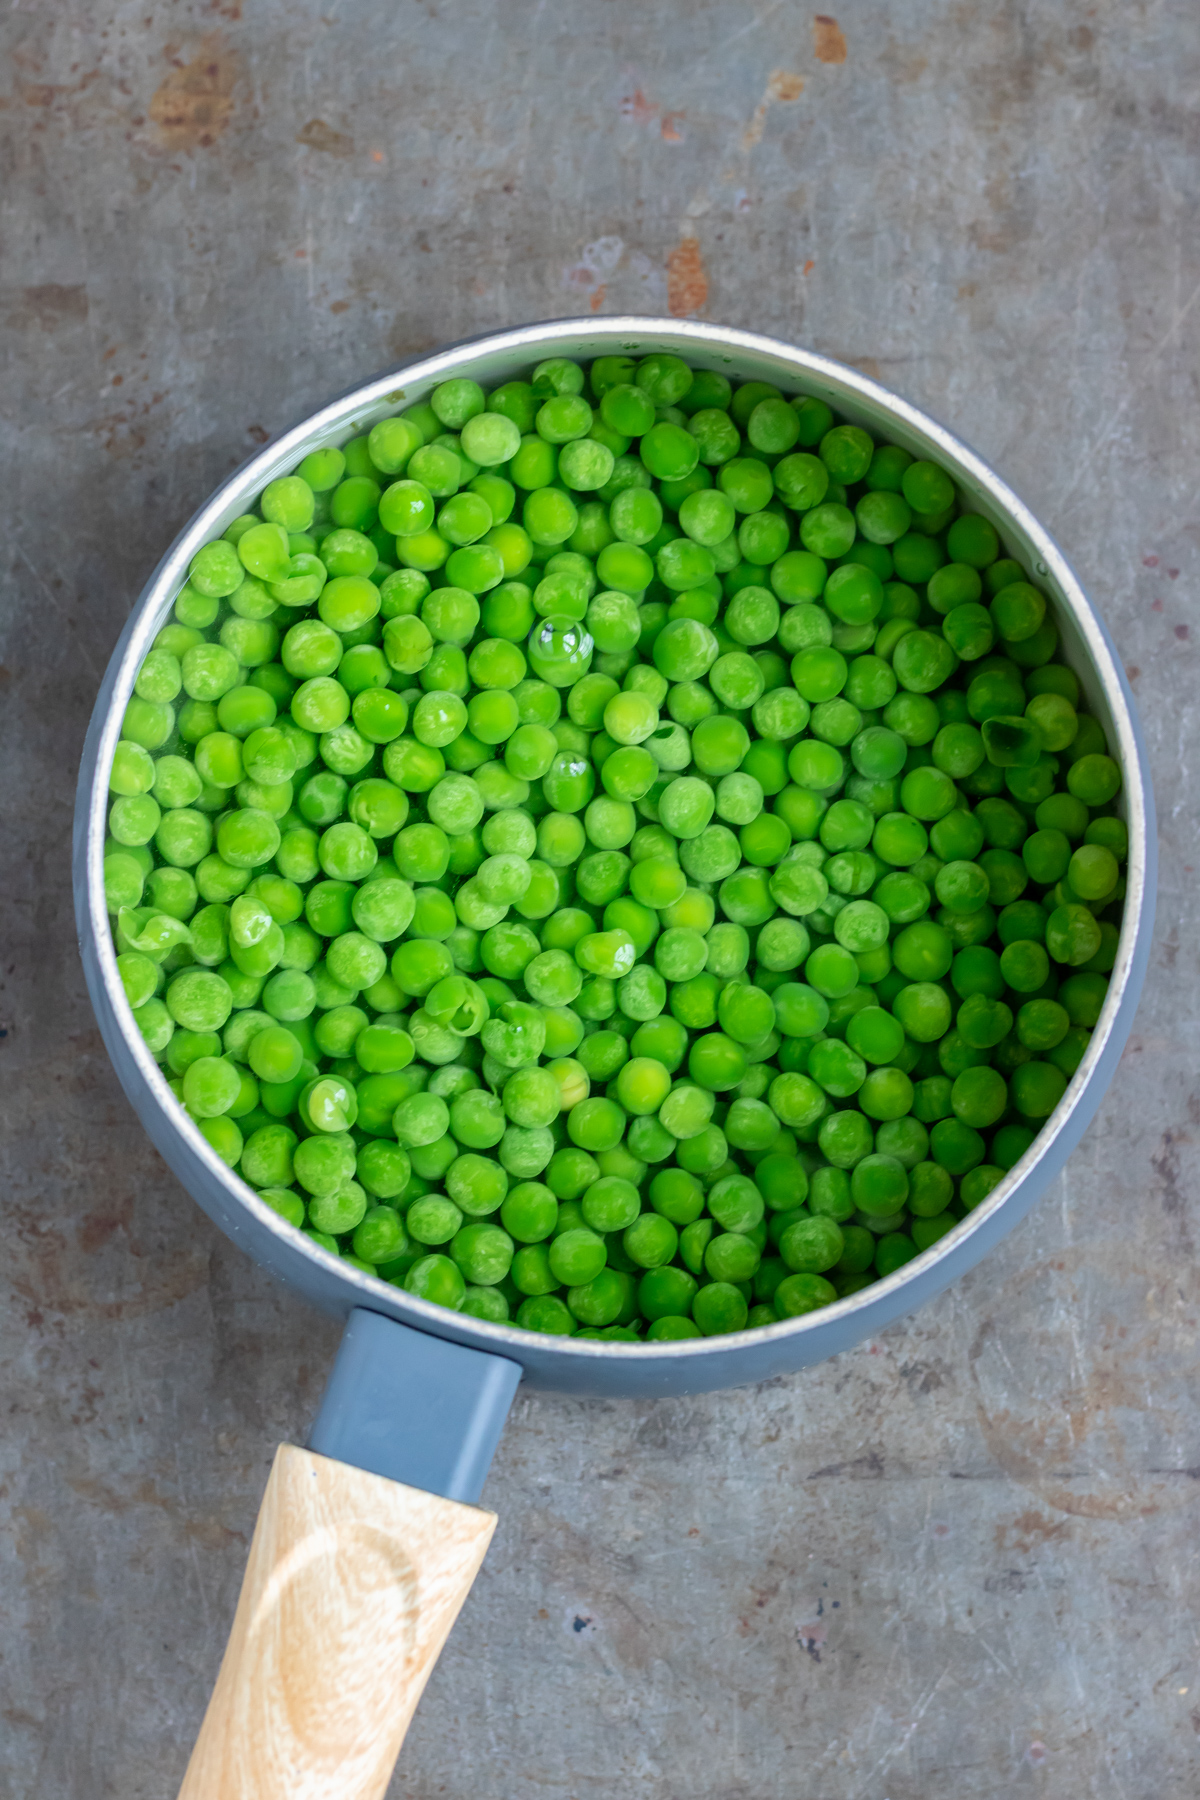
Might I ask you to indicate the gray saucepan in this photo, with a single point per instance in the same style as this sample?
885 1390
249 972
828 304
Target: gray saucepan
418 1395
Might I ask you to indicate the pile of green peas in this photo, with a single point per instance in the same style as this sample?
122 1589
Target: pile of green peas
617 853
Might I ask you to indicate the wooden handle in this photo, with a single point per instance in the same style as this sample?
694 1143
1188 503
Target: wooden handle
351 1589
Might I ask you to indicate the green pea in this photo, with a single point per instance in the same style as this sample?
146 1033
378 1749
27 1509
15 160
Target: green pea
800 1294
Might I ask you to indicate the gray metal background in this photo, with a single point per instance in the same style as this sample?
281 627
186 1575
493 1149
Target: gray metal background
955 1562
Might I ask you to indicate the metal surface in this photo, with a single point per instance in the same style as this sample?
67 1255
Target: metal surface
957 1562
592 1366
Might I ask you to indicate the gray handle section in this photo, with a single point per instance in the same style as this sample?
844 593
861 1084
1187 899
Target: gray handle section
414 1408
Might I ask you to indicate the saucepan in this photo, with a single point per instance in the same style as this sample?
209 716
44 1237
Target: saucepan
368 1539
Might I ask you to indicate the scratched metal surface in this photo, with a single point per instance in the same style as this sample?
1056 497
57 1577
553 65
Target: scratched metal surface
958 1563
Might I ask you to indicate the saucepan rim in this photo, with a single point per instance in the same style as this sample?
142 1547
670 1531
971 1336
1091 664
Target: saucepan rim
722 347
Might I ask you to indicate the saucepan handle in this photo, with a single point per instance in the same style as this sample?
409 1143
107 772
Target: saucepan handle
357 1571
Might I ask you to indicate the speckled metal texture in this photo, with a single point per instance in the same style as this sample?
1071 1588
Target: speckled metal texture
593 1367
957 1562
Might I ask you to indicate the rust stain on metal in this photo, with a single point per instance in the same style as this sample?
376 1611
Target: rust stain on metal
49 305
193 106
754 130
49 93
782 86
209 1533
317 135
1027 1530
903 64
97 1226
1073 1437
829 43
687 279
64 1275
644 111
635 106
